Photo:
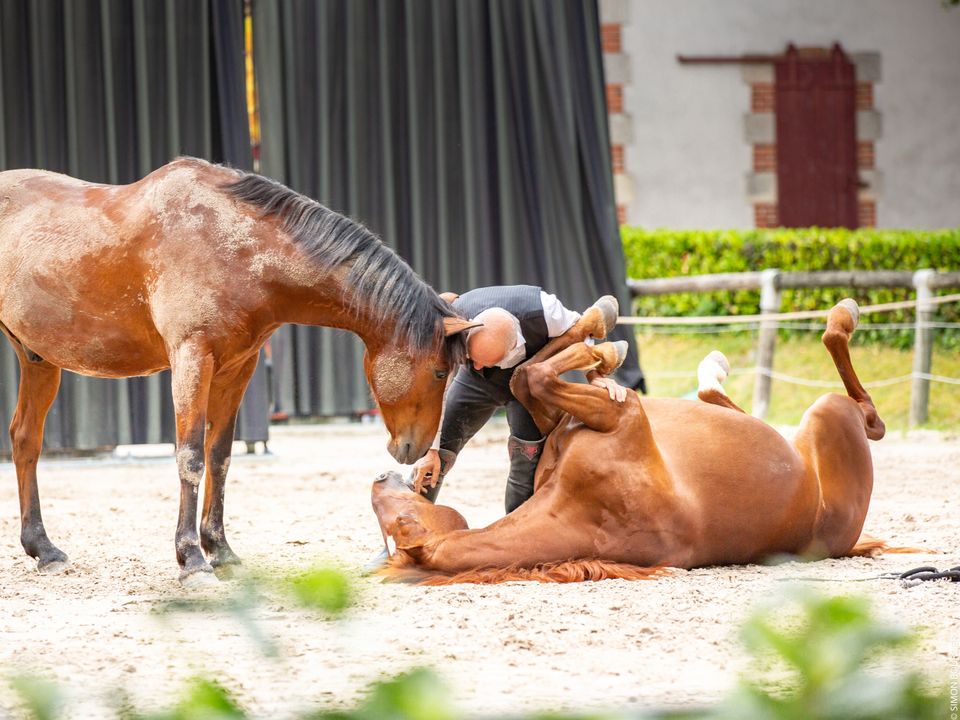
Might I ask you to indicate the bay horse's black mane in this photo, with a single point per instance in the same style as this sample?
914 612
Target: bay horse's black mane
378 280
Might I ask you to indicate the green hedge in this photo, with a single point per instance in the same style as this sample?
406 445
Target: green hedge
668 253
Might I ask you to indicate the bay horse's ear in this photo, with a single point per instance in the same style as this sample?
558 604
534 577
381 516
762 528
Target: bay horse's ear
454 325
448 297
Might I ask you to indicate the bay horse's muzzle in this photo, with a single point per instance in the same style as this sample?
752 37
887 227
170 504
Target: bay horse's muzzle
404 453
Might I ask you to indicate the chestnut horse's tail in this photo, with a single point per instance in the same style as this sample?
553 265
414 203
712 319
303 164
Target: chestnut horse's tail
869 546
401 569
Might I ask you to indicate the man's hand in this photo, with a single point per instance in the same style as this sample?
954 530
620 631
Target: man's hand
617 391
426 471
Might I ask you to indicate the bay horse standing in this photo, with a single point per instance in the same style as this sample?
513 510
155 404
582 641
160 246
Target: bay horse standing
192 268
622 489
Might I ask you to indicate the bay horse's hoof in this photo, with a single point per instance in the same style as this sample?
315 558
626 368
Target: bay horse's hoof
198 578
54 567
227 570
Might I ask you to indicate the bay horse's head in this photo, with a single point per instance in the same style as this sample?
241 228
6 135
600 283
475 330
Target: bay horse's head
408 385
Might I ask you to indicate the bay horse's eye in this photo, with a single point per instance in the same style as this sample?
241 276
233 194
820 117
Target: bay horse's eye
440 374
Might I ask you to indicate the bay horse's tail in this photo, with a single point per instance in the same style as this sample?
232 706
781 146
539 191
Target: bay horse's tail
401 569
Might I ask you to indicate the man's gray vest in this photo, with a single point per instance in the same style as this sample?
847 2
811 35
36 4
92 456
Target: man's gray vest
521 301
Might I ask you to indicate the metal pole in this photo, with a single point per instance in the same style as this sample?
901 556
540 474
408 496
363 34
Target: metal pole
770 302
922 348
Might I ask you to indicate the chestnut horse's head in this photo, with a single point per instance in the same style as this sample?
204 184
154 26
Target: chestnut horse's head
408 518
408 386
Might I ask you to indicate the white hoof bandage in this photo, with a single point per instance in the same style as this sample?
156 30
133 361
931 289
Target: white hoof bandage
712 371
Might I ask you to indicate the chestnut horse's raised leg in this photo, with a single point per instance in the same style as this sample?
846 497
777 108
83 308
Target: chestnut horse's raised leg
226 392
595 322
711 372
39 382
841 322
591 405
191 367
833 440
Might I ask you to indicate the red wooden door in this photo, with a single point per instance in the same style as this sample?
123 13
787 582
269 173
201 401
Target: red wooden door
816 140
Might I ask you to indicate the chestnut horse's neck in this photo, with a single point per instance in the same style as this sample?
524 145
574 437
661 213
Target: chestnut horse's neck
348 278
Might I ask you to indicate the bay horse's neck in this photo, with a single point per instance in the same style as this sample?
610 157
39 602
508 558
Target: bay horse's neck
327 303
326 269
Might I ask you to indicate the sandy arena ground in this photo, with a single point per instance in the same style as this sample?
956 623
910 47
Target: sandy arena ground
502 649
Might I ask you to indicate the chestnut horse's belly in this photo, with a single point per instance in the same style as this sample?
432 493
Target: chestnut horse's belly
719 486
752 493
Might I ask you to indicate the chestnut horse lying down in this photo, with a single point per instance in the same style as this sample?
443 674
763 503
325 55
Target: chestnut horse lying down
625 489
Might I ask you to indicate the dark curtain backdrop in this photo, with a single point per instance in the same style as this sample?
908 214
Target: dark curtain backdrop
472 136
108 90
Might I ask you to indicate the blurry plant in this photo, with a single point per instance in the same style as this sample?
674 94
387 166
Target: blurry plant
320 589
811 658
42 699
825 645
415 695
203 699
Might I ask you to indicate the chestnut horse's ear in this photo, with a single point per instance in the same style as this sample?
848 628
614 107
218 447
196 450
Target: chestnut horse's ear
454 325
448 297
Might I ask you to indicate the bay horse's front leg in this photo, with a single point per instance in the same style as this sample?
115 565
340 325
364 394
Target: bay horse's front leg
39 383
226 393
589 404
191 366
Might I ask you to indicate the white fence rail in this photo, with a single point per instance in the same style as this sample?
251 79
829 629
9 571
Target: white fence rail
772 283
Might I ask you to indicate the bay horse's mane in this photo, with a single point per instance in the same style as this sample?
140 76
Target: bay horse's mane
378 280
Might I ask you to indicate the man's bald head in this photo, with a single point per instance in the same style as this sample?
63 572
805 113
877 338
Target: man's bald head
488 345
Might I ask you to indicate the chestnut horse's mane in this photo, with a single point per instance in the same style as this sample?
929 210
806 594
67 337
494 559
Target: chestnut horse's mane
402 568
378 281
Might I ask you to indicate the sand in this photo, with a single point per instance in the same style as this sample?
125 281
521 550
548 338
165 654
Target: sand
517 647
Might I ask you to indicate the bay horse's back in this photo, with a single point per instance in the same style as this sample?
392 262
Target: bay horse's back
101 279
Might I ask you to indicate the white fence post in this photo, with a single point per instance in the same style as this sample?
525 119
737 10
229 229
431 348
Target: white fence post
922 348
770 302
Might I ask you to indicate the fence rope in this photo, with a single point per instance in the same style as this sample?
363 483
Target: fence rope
813 327
793 380
775 317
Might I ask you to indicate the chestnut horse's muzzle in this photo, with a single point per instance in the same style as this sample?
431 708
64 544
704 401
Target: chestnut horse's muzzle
393 480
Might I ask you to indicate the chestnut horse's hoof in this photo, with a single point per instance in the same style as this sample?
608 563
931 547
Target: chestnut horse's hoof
850 305
608 308
622 346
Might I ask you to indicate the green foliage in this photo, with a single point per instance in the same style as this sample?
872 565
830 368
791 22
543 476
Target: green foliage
42 699
202 700
416 695
669 253
324 589
825 645
811 658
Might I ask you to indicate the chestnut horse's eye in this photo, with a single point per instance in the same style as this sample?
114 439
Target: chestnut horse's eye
440 374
